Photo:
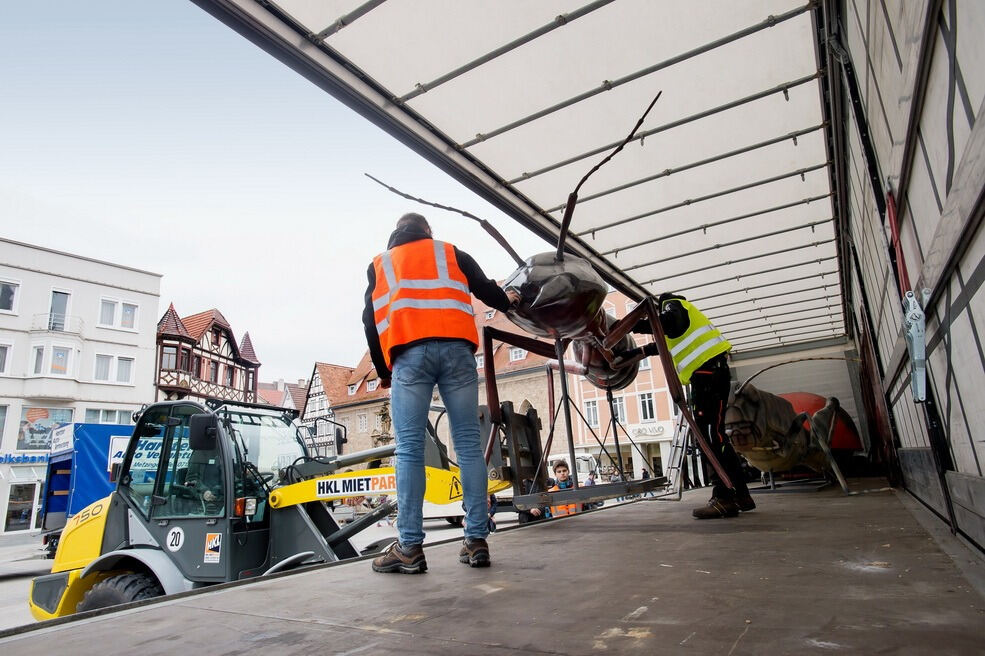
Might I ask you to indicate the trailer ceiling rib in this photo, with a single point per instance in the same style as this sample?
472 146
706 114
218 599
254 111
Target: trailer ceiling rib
727 195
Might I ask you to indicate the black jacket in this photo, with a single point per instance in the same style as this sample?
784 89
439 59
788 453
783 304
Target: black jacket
483 288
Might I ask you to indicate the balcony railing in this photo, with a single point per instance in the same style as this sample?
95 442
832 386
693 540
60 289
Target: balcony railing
58 323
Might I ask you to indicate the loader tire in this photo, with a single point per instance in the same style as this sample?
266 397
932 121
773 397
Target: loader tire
121 589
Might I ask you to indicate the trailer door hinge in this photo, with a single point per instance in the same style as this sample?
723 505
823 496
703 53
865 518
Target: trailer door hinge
914 325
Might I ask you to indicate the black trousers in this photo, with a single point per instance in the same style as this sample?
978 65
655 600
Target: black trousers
709 395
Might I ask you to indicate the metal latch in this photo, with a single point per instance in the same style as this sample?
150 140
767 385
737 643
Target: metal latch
914 327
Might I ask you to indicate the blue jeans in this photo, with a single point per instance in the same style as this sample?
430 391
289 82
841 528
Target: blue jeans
451 366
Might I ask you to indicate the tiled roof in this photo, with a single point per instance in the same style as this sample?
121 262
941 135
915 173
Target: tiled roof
298 395
334 379
271 396
361 375
171 325
197 324
246 349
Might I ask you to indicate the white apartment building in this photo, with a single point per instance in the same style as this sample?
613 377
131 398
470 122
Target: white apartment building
76 345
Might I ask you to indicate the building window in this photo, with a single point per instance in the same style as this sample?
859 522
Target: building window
60 356
611 312
34 433
5 355
169 358
197 366
372 385
517 354
490 314
249 380
128 316
378 421
8 296
213 371
58 315
184 360
38 360
114 369
103 365
230 376
107 312
352 389
124 370
645 364
479 361
619 406
363 423
216 336
20 507
592 413
101 416
630 306
646 407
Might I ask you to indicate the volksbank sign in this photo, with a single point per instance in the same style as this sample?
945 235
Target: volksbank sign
22 459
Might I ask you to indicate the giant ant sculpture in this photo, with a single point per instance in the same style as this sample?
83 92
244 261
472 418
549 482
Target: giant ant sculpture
561 298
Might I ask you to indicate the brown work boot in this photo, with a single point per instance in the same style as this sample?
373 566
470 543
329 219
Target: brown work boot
400 559
474 553
717 508
745 503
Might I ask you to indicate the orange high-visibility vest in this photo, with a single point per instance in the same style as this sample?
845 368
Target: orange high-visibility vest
421 293
566 509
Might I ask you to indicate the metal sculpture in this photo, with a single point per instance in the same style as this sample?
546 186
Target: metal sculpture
767 432
776 433
561 298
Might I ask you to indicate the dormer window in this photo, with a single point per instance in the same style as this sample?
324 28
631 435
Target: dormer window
352 389
372 385
216 336
490 314
517 354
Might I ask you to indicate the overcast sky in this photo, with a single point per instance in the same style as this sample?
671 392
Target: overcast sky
146 133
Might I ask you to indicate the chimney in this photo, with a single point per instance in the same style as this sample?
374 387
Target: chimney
280 384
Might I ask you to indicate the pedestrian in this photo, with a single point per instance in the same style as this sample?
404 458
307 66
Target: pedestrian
421 332
700 356
590 481
562 474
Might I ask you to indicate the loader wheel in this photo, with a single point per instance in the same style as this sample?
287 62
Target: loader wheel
120 589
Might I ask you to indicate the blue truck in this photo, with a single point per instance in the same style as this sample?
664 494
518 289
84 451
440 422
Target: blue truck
81 469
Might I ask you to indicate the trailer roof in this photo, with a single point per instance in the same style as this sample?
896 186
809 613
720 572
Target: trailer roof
727 193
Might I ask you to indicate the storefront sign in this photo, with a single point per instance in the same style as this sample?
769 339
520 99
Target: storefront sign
62 438
22 459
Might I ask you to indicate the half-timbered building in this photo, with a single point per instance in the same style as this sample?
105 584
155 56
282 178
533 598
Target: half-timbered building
199 358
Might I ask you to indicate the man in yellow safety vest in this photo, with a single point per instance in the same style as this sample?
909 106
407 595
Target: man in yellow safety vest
700 357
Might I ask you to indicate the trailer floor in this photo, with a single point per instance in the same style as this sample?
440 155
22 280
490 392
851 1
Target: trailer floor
804 573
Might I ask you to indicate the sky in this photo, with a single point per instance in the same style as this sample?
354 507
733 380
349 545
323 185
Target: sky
146 133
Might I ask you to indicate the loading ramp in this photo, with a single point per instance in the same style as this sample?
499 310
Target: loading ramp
801 574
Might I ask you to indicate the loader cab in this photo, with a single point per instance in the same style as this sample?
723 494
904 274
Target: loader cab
195 481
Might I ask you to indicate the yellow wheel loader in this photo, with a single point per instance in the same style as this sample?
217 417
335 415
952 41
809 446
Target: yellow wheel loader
213 494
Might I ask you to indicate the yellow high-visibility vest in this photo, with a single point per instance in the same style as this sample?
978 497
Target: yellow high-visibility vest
699 343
